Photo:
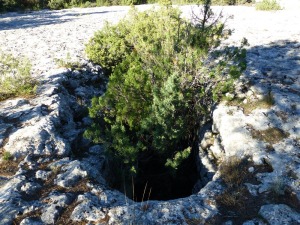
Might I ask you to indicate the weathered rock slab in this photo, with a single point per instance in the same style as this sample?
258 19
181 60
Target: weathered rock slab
279 214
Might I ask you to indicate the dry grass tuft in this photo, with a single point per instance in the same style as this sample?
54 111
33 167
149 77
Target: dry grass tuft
104 220
233 198
235 202
271 135
194 221
9 167
234 171
266 103
65 217
32 214
15 77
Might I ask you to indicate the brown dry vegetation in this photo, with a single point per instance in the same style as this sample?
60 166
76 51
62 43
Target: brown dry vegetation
266 103
33 214
9 167
236 203
271 135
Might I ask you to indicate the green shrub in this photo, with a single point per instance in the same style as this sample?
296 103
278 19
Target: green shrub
76 2
15 78
268 5
161 85
6 5
231 2
109 46
6 156
67 62
88 4
57 4
101 2
13 5
31 4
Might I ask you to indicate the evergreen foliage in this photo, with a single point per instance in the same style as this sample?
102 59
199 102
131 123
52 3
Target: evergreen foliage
12 5
162 85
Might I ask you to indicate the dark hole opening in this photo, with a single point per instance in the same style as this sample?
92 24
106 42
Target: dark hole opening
155 181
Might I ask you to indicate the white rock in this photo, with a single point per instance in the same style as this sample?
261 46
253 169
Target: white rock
252 189
30 188
251 169
279 214
71 174
41 174
31 221
229 95
217 149
56 203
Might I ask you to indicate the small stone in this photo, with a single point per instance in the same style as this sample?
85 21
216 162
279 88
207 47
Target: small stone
260 96
229 96
31 221
21 171
252 189
30 188
43 175
56 202
249 93
251 169
71 175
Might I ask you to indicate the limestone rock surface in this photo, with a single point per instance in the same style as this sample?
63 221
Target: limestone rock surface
54 180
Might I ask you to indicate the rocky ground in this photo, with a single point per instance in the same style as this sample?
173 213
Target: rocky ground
55 176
